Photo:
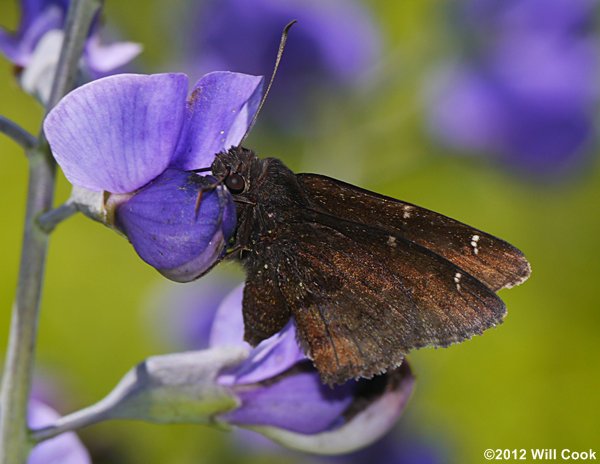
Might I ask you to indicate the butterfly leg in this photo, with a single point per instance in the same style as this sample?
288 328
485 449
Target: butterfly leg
207 188
244 200
236 249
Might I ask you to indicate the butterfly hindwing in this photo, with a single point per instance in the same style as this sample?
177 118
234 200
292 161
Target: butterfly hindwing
264 307
362 298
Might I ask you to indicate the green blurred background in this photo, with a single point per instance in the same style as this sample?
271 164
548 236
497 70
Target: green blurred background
533 382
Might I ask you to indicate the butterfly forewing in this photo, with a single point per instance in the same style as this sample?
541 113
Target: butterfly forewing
487 258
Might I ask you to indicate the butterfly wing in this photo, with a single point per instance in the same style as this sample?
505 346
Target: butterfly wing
491 260
361 297
264 307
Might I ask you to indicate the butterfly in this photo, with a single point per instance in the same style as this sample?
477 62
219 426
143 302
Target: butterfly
366 278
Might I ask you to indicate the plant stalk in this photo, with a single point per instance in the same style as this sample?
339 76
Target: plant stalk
17 133
15 442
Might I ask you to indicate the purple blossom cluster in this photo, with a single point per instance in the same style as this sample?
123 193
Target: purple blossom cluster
334 46
34 47
526 90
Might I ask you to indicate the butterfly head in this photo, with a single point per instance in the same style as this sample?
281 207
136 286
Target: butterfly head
236 168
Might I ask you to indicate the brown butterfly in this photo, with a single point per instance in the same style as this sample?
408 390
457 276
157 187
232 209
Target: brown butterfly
367 278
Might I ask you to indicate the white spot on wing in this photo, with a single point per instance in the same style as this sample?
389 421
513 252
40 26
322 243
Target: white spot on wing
391 241
457 277
406 209
474 243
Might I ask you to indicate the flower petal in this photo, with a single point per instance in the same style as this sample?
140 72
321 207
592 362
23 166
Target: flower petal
382 403
33 9
37 77
120 132
296 402
220 111
101 59
168 233
228 324
63 449
200 264
270 358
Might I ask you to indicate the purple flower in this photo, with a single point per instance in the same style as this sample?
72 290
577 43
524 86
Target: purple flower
63 449
281 394
334 44
528 96
137 137
35 46
529 16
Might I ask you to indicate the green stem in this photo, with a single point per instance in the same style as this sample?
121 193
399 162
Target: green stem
16 379
49 220
17 133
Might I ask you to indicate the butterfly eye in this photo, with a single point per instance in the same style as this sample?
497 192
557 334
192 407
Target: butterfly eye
235 183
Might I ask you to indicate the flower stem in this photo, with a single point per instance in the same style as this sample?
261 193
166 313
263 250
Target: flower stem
71 422
16 379
50 219
17 133
175 388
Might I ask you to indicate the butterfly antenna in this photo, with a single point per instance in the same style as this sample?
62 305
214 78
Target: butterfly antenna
282 42
200 170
